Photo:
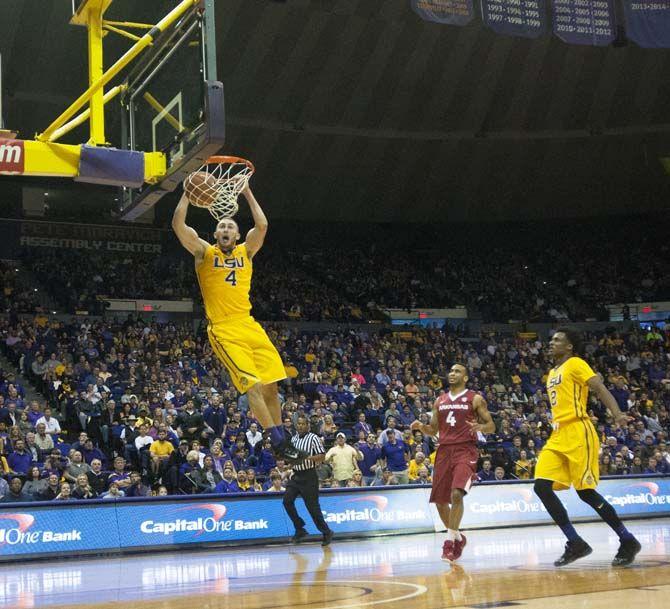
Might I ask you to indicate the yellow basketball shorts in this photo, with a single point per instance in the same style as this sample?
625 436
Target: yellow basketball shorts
570 457
247 353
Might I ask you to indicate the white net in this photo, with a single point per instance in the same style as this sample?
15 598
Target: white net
217 185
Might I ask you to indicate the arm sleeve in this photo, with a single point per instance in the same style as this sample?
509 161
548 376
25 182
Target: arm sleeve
581 371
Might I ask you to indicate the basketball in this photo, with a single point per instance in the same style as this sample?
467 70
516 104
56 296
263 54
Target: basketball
200 188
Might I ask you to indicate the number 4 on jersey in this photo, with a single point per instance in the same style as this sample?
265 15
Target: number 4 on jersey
230 278
451 419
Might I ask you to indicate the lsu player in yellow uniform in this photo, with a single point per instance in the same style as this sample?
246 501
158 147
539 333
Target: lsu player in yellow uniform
570 456
224 271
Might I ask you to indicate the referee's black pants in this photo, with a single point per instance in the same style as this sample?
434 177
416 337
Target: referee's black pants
306 485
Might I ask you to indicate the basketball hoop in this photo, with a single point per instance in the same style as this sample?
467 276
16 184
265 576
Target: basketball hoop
218 183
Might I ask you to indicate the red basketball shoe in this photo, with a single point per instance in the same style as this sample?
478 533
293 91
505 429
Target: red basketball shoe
458 546
448 550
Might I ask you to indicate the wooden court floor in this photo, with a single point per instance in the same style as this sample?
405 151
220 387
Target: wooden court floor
499 568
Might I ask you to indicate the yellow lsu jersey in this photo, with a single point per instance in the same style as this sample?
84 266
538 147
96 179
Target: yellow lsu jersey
568 391
225 281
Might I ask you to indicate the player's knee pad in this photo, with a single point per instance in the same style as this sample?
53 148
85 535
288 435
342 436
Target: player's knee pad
592 497
543 488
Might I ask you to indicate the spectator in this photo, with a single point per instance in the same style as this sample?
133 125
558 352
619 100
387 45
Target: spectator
653 467
362 425
386 478
500 473
56 463
637 467
160 451
486 473
500 458
35 485
65 493
389 431
371 459
114 492
423 477
276 485
356 479
343 459
52 489
415 464
606 465
43 441
228 484
76 467
90 452
119 475
97 479
189 473
191 423
16 493
19 460
83 489
32 448
137 488
395 457
243 483
254 437
328 428
208 477
128 435
142 445
523 467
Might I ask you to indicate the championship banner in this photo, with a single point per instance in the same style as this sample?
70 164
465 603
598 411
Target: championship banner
450 12
648 22
590 22
524 18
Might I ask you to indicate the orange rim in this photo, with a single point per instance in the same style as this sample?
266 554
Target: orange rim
212 160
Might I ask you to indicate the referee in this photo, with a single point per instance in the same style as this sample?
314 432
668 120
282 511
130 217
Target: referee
305 483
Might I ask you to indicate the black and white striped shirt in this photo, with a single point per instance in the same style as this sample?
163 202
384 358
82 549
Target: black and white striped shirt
312 445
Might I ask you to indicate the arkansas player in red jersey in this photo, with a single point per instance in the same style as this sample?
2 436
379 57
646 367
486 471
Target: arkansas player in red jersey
458 415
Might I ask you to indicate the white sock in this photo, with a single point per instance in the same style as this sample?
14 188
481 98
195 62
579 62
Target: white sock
451 535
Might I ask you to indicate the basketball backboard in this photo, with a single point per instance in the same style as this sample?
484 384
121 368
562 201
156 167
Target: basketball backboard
173 103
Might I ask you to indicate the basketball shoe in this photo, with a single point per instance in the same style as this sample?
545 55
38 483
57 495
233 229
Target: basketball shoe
458 546
573 550
627 551
448 550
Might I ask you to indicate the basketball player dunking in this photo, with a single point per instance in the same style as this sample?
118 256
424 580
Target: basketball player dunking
224 272
458 415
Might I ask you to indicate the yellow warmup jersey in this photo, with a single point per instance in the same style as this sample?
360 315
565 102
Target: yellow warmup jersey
225 281
568 391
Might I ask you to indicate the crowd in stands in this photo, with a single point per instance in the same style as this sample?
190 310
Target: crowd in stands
135 408
17 294
353 273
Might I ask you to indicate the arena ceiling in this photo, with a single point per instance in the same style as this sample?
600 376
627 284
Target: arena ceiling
358 110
